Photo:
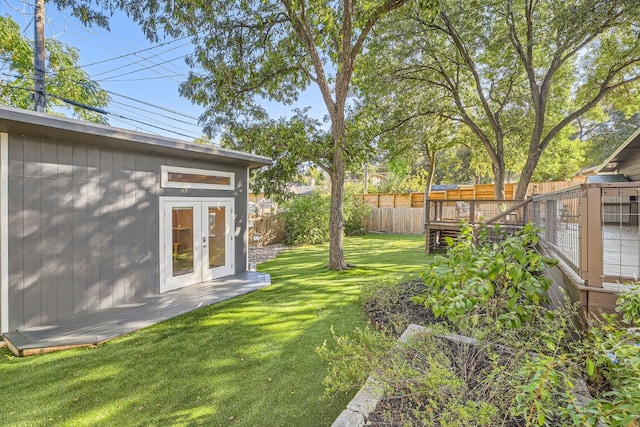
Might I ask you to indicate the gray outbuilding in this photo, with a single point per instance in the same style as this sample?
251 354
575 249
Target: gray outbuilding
94 217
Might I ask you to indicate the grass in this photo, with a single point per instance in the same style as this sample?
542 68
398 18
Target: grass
248 361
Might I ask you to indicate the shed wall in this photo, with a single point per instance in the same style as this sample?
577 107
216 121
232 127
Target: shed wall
83 226
631 167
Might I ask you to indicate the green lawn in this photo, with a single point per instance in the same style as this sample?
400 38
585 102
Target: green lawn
251 358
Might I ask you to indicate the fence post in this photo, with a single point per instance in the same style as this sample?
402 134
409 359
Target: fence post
591 242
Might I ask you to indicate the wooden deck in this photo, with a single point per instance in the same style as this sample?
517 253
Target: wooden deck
93 328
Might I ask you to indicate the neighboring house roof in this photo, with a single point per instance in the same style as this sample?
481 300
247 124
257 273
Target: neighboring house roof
606 178
19 121
628 149
302 189
443 187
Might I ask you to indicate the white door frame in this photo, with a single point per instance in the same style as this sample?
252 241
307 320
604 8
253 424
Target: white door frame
4 232
201 271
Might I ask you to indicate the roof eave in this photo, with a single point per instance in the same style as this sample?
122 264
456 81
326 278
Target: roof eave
29 122
611 163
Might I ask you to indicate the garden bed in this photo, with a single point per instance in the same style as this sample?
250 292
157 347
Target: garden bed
461 388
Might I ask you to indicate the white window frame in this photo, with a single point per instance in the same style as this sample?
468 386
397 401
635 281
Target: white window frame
165 183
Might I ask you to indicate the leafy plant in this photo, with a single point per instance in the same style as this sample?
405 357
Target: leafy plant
418 374
544 388
355 212
352 359
307 219
496 282
612 362
628 303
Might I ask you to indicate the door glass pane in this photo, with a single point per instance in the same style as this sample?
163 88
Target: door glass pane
217 237
182 230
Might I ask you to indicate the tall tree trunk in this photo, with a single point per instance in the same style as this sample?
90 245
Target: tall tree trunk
498 179
526 175
336 217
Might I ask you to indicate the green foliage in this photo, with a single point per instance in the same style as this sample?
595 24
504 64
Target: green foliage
602 136
628 304
515 74
612 362
355 212
307 219
292 143
544 389
489 282
418 373
561 160
65 78
352 358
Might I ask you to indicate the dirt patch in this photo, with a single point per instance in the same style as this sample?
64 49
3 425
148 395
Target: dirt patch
395 314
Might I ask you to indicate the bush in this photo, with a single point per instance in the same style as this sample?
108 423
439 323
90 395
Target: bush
496 283
355 212
307 219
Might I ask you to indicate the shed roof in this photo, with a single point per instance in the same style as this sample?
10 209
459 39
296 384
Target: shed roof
606 178
628 149
25 122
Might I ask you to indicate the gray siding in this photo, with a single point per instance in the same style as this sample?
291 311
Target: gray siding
83 226
631 167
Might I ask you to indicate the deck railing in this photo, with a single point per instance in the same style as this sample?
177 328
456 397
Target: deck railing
475 211
591 228
445 216
594 229
558 215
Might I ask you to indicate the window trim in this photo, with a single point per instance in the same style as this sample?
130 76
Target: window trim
165 183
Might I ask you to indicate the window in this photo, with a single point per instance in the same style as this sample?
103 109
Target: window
177 177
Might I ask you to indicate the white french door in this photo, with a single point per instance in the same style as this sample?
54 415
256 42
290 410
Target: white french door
196 240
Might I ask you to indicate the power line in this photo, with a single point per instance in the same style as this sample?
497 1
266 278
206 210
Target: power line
152 105
128 73
154 118
144 59
110 113
155 113
132 53
160 63
105 112
110 80
159 107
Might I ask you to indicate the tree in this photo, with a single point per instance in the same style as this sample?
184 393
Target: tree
518 73
602 138
65 79
272 49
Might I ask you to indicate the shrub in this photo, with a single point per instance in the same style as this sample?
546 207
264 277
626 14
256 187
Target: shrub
628 304
497 283
355 212
307 219
419 375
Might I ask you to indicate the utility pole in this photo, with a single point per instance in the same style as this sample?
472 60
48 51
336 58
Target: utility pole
365 179
39 102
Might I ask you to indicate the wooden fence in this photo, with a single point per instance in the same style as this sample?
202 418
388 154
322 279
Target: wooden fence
463 192
396 220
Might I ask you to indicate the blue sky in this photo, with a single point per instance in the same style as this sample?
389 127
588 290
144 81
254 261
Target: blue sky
133 70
